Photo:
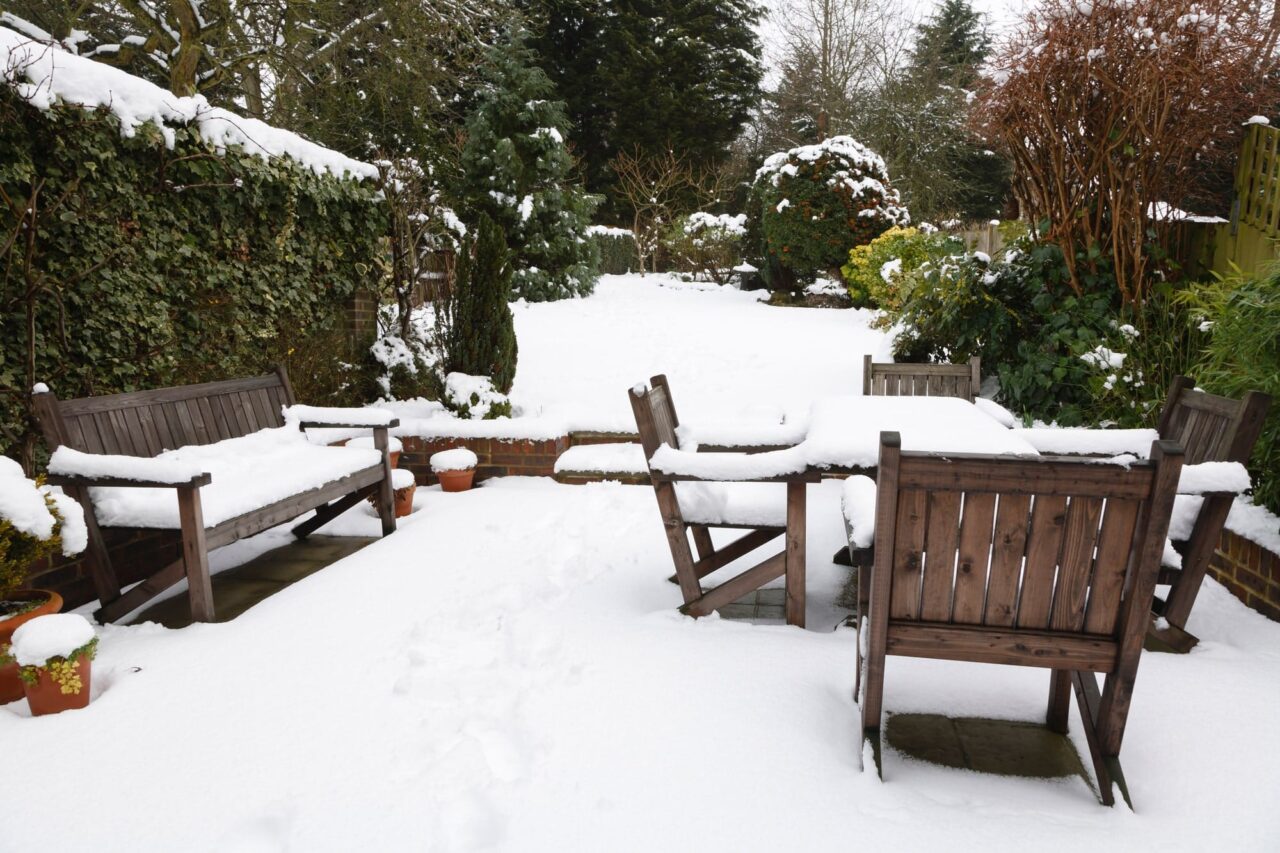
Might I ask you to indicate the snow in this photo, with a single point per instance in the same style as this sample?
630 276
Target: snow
1262 120
845 431
23 505
607 458
475 393
69 462
457 459
39 388
728 466
755 504
559 680
52 636
402 478
1163 211
858 503
394 445
609 231
1093 442
356 417
1213 477
740 433
248 473
45 75
992 409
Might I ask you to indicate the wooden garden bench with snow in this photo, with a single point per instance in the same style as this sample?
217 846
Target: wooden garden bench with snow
907 379
218 461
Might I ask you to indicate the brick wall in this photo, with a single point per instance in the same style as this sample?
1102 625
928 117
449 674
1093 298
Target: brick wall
495 457
362 316
1251 572
134 555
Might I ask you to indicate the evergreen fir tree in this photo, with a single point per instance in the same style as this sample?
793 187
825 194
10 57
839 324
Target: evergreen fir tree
649 75
517 169
481 338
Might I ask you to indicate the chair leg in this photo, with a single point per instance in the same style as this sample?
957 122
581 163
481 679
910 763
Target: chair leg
1059 700
795 592
1105 767
702 541
872 686
195 555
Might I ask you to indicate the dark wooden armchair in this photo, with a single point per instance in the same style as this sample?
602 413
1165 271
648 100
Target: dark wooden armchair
1044 562
765 506
890 379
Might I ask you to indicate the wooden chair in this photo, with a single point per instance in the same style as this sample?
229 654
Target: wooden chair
1210 429
1044 561
784 497
890 379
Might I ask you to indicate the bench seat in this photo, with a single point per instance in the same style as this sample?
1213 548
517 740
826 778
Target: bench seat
249 472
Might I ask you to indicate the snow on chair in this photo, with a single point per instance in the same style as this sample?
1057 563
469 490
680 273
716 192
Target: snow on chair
1039 561
218 461
762 493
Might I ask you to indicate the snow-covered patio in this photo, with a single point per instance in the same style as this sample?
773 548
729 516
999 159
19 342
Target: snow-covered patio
508 670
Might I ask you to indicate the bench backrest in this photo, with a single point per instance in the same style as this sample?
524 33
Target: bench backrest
146 423
655 414
1212 428
1020 546
892 379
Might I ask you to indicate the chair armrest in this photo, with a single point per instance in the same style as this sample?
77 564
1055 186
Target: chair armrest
1213 478
1089 442
70 467
336 417
778 466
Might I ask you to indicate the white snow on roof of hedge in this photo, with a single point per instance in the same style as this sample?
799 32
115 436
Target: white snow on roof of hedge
44 75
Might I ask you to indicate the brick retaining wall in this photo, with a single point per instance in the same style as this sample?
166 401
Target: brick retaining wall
496 457
1250 572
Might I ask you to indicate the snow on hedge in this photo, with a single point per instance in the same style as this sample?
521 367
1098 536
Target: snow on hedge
56 635
45 75
23 504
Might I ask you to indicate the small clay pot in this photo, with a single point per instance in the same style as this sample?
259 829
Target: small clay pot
456 481
46 696
404 500
10 683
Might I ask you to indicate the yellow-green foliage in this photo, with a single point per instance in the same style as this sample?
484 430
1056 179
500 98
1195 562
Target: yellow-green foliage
19 550
871 284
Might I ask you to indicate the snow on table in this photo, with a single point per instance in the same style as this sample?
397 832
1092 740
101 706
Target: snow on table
844 432
248 473
1100 442
607 458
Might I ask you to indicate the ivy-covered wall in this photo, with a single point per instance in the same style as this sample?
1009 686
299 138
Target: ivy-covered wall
125 264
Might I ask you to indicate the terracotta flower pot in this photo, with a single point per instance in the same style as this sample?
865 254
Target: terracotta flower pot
10 683
404 500
456 481
46 696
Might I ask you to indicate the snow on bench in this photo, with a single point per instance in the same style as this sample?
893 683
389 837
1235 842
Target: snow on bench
1090 442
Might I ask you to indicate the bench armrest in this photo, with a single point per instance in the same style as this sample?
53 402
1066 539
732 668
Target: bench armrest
70 467
335 417
1089 442
777 466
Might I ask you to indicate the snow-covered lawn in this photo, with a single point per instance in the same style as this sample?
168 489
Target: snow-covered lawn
508 672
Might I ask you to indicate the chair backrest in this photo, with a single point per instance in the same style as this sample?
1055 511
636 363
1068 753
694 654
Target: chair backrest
655 414
1212 428
1044 547
892 379
146 423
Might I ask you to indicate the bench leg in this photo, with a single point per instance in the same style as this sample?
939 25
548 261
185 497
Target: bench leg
386 494
195 556
795 603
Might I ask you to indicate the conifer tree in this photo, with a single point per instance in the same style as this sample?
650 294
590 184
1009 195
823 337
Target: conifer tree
517 169
481 337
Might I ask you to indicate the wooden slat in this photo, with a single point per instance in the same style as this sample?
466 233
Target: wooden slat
1078 540
974 556
942 534
210 420
1025 475
107 402
904 599
203 434
243 426
1007 550
731 590
88 430
161 423
109 431
75 435
739 547
223 404
137 438
1115 541
1044 544
150 435
289 508
1018 647
178 409
262 406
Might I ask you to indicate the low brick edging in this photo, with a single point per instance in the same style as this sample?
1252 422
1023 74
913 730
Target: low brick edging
1250 572
496 457
134 554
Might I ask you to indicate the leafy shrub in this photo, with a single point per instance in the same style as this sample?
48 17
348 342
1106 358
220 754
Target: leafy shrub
154 265
1241 317
875 270
616 247
480 331
475 398
707 245
816 202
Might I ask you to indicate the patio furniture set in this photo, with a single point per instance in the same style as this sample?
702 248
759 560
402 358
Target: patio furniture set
969 542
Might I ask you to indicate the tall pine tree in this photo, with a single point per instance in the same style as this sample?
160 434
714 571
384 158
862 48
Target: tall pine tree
517 169
645 76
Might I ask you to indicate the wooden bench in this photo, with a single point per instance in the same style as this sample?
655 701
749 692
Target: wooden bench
907 379
146 423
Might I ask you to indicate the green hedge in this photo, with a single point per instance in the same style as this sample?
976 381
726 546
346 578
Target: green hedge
151 266
617 251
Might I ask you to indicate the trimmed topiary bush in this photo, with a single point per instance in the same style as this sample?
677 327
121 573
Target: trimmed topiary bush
481 335
816 202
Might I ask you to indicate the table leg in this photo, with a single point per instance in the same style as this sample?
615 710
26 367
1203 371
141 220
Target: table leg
795 553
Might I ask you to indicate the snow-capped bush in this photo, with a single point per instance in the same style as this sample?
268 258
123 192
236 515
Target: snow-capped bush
35 521
816 202
707 244
474 397
875 271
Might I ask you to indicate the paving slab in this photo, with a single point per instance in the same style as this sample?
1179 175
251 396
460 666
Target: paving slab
1003 747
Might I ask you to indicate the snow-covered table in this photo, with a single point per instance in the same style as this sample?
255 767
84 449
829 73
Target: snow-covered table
844 432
